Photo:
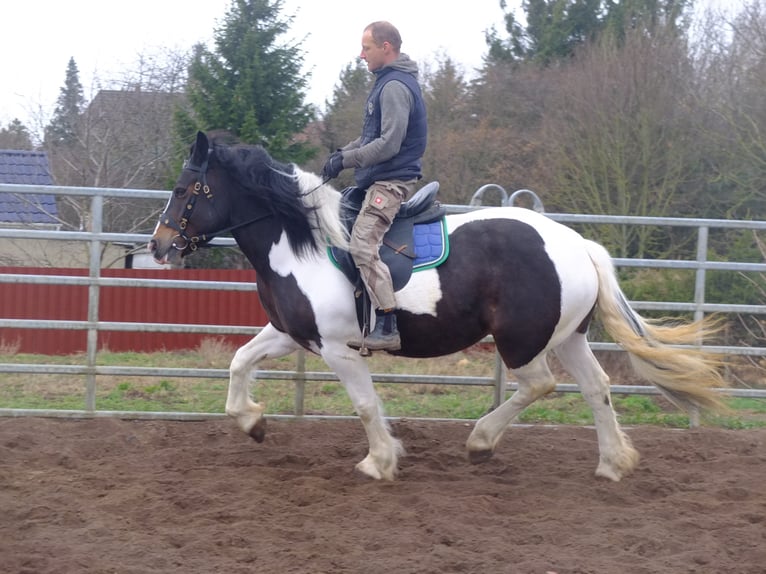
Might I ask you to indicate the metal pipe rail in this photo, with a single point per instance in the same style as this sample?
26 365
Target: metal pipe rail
96 237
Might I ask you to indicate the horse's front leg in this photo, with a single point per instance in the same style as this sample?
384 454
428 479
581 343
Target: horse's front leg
249 414
382 460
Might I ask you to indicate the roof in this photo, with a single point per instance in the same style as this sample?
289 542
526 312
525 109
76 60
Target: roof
29 168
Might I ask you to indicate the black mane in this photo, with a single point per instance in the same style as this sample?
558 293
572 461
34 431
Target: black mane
274 186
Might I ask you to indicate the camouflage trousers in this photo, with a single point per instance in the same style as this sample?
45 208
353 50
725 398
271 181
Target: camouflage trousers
379 208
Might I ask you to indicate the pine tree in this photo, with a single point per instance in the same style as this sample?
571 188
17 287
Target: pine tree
15 136
250 85
554 29
342 118
69 106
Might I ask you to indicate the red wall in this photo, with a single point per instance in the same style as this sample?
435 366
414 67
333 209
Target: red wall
129 304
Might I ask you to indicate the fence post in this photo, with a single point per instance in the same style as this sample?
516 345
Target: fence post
499 381
699 281
300 383
699 298
96 220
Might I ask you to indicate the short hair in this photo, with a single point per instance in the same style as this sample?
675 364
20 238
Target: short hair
383 31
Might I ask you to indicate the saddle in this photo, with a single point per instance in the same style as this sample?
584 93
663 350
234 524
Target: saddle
416 240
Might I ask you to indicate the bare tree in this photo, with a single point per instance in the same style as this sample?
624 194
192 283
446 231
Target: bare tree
620 137
501 142
123 138
731 62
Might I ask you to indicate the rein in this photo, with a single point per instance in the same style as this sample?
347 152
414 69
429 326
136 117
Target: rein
201 240
309 192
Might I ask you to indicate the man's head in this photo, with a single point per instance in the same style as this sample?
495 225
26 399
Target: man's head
381 43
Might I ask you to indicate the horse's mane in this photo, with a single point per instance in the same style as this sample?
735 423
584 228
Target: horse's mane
308 210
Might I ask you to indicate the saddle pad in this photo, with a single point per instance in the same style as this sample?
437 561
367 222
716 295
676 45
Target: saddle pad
431 244
429 249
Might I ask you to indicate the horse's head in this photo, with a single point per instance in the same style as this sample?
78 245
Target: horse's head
192 216
226 188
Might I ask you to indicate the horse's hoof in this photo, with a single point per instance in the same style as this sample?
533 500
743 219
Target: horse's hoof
258 431
479 456
368 468
604 471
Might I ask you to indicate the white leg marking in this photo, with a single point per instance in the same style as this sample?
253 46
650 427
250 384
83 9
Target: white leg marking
617 457
268 343
382 460
535 380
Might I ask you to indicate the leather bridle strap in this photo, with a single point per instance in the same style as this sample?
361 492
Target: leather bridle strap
201 240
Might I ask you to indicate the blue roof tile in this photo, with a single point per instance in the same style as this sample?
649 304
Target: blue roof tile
29 168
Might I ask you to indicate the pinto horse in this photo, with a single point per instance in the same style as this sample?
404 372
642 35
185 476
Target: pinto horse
532 283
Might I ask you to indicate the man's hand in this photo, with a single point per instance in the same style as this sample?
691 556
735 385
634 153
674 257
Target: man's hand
333 166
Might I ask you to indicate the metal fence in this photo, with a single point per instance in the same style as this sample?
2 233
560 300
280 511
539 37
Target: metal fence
96 238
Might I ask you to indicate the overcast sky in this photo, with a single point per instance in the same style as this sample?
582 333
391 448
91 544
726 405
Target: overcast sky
105 38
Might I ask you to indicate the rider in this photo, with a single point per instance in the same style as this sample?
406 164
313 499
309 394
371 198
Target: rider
387 161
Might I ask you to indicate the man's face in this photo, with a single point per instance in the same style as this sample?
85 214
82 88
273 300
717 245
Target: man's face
375 56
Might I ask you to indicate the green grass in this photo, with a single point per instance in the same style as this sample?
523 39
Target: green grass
329 397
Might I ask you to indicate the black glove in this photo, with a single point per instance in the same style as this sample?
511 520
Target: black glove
333 166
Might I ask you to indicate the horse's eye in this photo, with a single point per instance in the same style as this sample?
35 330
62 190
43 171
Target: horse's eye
179 192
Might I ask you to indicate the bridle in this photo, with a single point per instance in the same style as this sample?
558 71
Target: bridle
196 241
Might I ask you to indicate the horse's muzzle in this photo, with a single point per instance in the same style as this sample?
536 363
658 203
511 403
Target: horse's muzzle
167 250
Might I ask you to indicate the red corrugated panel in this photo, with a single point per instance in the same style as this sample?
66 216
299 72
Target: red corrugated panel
130 304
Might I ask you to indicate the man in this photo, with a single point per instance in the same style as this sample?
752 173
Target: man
387 162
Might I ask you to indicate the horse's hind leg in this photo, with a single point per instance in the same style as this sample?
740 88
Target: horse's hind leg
617 457
249 414
381 461
534 381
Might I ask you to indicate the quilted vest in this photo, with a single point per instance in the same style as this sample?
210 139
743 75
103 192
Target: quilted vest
407 163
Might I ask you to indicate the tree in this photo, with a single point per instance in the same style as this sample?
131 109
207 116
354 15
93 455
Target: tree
555 29
649 16
343 115
15 136
66 116
250 85
621 138
122 138
451 125
342 119
446 96
733 67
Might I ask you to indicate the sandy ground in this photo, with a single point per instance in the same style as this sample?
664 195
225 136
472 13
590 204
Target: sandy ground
111 496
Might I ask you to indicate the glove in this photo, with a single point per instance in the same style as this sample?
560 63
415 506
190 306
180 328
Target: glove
333 166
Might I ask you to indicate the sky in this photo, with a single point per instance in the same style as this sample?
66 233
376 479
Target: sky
106 37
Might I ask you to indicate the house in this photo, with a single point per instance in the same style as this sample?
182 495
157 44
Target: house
28 168
38 211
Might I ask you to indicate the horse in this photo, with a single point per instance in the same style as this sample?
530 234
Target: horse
533 284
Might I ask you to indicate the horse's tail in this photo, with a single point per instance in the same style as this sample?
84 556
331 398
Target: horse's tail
686 376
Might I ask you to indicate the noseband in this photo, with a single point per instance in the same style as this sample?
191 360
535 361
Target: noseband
201 240
200 185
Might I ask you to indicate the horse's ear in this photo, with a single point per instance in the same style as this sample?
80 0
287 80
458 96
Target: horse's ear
199 150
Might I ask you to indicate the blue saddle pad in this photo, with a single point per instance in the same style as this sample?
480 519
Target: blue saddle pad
431 244
428 248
